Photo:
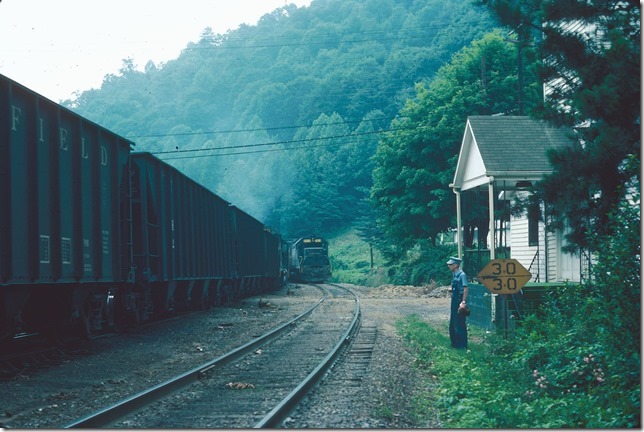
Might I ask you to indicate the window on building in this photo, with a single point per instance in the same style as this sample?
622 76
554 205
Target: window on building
533 225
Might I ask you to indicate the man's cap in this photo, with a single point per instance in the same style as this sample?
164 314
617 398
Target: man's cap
454 260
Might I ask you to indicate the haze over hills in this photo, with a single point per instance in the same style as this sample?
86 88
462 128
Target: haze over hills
281 118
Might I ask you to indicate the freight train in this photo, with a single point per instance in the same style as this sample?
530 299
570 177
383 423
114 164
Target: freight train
309 260
95 237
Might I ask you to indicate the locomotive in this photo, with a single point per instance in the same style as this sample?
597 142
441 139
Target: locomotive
309 260
95 236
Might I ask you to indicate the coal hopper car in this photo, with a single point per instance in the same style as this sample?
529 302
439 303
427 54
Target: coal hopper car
94 237
64 223
191 247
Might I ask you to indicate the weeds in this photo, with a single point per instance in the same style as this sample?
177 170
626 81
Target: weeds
481 388
574 365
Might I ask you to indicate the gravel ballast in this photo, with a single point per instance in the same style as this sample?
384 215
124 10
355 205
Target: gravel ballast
108 369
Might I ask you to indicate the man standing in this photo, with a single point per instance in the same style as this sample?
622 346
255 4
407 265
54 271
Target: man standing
457 328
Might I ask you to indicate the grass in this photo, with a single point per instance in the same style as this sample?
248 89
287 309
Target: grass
487 386
351 260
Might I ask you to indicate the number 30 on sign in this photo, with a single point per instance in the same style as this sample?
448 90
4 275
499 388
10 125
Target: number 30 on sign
504 276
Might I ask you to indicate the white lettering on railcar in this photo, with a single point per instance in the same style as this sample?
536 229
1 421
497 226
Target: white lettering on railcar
15 117
63 139
87 257
63 136
84 153
66 250
44 249
106 242
103 156
41 133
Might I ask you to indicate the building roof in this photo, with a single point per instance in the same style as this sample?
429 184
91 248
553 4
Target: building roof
508 148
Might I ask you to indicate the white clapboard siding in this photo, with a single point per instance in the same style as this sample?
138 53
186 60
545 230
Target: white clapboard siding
524 253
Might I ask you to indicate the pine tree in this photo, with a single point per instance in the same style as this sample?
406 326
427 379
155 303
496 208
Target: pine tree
591 58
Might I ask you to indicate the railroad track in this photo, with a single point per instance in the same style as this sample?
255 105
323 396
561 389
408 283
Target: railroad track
343 384
255 385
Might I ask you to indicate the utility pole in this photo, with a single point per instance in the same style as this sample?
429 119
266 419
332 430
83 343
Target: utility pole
520 43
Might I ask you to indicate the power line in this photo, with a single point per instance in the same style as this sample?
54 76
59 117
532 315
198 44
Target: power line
353 135
284 142
257 151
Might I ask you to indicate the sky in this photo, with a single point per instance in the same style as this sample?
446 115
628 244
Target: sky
58 47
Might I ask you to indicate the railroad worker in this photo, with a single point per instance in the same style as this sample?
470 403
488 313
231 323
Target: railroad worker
457 327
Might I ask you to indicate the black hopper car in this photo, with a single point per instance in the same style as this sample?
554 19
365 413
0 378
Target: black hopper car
310 260
94 237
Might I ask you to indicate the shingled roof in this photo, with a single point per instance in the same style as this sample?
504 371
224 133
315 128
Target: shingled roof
510 148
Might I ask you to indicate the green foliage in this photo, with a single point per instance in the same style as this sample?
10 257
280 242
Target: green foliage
245 111
331 176
423 264
485 388
351 260
416 161
599 88
576 364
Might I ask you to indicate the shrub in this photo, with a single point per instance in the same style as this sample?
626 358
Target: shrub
481 388
575 365
422 265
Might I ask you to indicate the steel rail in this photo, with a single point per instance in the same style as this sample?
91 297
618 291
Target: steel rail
281 410
110 415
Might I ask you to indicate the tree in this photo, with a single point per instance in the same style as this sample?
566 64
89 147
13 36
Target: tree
349 57
591 59
416 161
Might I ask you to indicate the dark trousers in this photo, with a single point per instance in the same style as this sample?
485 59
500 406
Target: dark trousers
457 327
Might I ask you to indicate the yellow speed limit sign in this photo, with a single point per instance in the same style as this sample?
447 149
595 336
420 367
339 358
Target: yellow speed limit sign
504 276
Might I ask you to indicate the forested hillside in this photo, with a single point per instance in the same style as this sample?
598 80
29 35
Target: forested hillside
282 118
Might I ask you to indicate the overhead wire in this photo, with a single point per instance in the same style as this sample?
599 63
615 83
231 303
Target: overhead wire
255 151
334 94
352 135
224 40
